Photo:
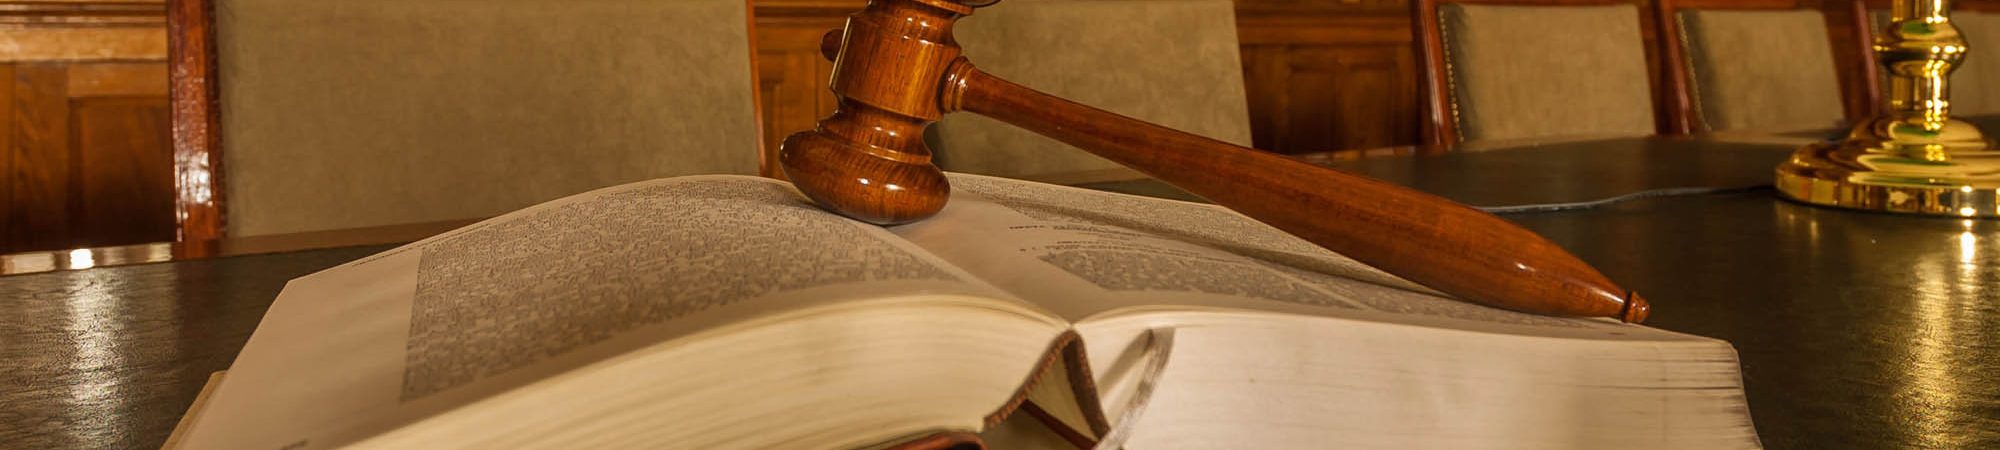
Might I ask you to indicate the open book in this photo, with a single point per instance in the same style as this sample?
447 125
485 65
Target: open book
724 312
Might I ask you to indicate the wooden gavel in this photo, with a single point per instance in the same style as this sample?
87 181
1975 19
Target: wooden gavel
897 69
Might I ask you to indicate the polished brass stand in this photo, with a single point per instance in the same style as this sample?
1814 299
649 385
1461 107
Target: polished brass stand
1913 158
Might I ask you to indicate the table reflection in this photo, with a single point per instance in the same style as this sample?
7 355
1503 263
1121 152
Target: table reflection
110 357
1865 329
1946 271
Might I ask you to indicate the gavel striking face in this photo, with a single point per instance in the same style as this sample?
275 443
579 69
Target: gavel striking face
898 69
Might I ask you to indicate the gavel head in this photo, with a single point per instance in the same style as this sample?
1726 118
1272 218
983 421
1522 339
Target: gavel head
868 160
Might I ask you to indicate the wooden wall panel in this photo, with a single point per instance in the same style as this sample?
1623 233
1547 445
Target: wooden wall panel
1337 83
7 168
83 124
117 80
792 75
38 210
1328 75
86 156
123 157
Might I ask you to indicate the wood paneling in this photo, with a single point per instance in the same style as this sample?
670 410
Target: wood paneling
83 44
1328 79
791 74
87 157
7 164
81 13
83 125
124 167
38 208
117 80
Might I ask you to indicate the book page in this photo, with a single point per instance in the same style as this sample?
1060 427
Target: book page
368 346
1085 253
1287 345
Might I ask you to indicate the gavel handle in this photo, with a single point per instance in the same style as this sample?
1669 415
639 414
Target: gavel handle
1421 237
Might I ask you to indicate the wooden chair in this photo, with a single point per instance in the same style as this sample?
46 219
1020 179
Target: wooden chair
1528 85
299 115
1171 62
1758 64
1975 85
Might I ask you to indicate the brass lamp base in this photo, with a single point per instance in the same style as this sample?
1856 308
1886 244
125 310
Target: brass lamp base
1901 165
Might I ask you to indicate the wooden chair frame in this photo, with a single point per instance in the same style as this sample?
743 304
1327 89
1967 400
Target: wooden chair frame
1848 53
1440 124
193 93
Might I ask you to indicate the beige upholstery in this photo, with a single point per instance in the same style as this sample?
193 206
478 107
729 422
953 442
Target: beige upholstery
1171 62
1542 71
1975 86
1762 70
356 113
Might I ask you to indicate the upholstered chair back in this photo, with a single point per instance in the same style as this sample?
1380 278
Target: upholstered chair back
359 113
1171 62
1770 70
1519 72
1975 86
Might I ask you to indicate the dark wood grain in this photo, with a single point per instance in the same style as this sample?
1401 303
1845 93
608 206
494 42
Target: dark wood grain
167 250
1681 114
791 75
1855 329
1440 123
1328 75
70 69
1861 32
84 161
7 169
81 13
67 79
194 92
110 357
124 165
42 180
1574 172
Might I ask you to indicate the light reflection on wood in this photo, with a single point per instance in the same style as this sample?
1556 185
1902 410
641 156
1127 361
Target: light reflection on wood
85 258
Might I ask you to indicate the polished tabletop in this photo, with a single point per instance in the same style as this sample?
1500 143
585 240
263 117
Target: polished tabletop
1855 329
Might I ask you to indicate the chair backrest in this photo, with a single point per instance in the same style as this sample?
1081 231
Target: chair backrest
1975 85
358 113
1170 62
1516 69
1766 65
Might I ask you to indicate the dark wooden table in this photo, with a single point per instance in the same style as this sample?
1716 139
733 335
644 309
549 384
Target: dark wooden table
1856 330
